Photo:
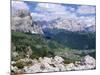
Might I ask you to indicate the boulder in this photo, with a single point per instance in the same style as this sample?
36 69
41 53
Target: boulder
70 67
88 60
47 67
61 67
14 69
13 62
34 61
33 69
58 59
45 60
86 63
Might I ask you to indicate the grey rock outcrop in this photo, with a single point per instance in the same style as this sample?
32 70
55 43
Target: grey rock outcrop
89 62
86 63
68 24
22 21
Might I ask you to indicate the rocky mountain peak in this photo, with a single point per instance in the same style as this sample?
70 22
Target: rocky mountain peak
70 24
22 21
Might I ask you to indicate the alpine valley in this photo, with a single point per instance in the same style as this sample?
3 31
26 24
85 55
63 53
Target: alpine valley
69 39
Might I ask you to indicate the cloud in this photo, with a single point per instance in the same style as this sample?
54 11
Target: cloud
19 5
48 11
16 5
40 16
86 10
37 16
52 16
89 20
50 7
72 9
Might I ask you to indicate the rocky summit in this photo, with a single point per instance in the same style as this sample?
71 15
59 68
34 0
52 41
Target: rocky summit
54 64
22 21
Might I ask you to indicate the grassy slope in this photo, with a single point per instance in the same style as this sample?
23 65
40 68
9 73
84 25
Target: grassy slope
41 46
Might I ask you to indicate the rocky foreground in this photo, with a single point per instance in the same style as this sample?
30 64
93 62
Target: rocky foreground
53 65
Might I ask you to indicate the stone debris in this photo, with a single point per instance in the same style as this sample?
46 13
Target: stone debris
56 64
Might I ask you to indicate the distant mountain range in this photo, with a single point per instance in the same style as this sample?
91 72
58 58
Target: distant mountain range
22 21
66 24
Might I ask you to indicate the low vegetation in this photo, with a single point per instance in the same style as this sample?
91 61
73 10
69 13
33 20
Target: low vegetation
35 46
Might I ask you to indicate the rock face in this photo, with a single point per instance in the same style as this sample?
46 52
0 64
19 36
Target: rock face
47 65
86 63
68 24
89 61
56 64
22 21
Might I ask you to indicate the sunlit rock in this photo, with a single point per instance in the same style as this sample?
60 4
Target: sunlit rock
33 69
14 68
70 66
58 59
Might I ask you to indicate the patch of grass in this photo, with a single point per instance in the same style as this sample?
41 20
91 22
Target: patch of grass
40 46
